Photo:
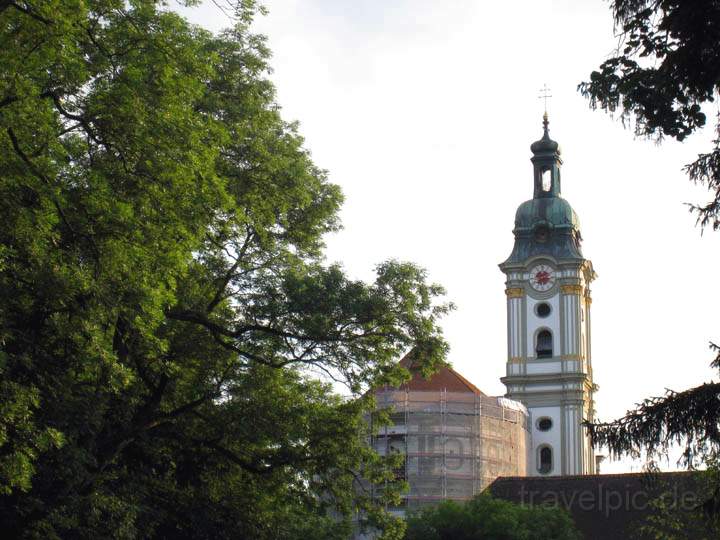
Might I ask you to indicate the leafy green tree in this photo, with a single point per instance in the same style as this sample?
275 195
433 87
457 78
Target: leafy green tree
670 517
665 70
487 518
166 316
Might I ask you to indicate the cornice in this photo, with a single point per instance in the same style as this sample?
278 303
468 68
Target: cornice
546 378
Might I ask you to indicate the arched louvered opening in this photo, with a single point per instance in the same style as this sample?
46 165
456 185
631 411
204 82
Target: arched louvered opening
544 346
546 180
545 460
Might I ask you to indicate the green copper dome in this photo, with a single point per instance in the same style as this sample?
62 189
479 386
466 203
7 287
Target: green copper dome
552 211
545 145
546 225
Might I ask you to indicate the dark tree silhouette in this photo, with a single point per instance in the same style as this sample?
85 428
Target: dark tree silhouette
666 68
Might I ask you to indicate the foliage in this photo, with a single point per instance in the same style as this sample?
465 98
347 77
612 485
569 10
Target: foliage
689 418
665 69
485 517
165 310
672 514
664 98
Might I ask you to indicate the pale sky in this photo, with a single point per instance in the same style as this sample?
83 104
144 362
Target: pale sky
424 111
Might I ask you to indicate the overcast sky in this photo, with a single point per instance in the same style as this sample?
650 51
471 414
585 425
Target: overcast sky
424 111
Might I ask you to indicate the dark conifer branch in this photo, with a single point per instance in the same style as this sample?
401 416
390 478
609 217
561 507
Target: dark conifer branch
688 418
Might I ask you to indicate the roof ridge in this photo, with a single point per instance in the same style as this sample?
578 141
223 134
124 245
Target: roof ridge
465 381
586 476
445 369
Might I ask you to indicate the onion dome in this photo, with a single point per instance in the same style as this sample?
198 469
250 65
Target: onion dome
545 145
551 211
545 224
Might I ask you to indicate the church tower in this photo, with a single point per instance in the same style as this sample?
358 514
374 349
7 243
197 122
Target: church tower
548 281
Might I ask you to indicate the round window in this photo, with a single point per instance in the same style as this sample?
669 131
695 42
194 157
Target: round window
543 309
544 424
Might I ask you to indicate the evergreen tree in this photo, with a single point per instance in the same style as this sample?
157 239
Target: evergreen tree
663 73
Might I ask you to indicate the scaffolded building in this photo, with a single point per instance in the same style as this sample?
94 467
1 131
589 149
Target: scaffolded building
455 440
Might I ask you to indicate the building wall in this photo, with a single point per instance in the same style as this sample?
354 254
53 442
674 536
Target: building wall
558 386
551 438
535 324
455 444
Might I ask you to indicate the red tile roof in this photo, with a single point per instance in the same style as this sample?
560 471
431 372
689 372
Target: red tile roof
445 379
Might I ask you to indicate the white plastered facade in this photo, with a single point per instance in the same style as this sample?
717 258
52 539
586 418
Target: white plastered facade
558 386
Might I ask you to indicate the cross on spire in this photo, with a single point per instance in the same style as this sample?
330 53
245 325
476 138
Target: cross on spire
544 95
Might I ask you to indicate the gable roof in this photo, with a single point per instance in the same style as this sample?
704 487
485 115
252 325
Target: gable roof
445 379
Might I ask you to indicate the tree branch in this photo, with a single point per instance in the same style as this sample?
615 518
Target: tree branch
229 274
41 176
241 330
24 9
689 417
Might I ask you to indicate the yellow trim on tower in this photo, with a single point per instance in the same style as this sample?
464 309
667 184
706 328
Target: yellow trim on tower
571 289
515 292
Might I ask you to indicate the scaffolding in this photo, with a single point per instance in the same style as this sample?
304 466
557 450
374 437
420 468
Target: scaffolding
454 443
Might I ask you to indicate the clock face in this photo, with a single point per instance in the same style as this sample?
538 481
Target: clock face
542 277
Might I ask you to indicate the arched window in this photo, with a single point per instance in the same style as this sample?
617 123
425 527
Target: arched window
544 347
545 460
546 180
